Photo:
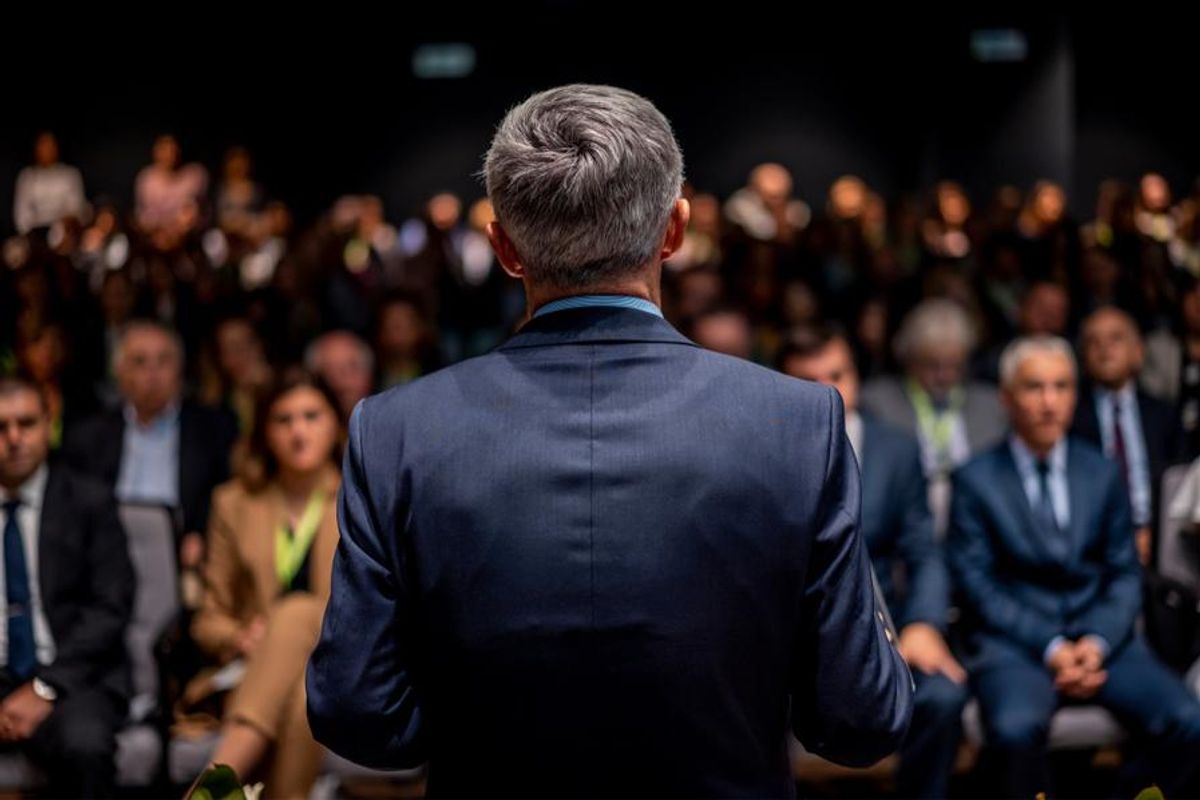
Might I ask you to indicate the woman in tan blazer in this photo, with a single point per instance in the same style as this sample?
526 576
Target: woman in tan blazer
271 538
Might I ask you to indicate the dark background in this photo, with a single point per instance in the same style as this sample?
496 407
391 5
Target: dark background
331 106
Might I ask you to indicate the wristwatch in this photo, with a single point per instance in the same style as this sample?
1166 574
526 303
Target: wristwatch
44 690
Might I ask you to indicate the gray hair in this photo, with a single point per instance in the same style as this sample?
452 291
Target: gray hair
933 322
1020 349
139 325
583 180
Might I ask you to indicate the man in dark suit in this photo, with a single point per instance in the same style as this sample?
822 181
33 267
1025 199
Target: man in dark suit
1141 433
1041 550
601 560
67 595
156 447
899 534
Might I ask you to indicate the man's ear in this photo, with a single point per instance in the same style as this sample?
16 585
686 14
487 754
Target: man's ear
676 228
506 251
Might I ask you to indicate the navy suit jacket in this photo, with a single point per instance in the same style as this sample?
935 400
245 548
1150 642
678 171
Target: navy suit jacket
1162 434
1017 596
601 560
897 525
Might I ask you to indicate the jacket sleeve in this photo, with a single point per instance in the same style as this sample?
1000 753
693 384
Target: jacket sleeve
361 700
851 691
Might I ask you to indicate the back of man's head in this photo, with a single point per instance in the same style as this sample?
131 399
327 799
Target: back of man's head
583 180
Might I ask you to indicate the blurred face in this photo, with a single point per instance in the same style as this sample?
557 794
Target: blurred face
166 152
302 430
348 373
43 356
444 211
832 366
149 371
45 150
725 333
953 205
847 196
238 350
1049 203
1156 194
1040 400
237 165
1045 311
772 182
1112 349
938 368
399 329
24 436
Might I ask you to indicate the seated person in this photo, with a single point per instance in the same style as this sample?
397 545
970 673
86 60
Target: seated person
67 597
1041 550
898 531
271 538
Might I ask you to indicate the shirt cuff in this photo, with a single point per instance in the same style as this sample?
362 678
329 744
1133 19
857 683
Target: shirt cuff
1050 648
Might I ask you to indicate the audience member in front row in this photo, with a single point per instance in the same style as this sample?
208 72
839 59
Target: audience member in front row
952 418
1041 550
1139 432
271 540
66 599
157 447
898 531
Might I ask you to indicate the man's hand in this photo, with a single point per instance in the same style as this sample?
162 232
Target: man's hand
21 713
922 647
1077 669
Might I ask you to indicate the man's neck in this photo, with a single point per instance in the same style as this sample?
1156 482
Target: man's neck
646 284
1115 387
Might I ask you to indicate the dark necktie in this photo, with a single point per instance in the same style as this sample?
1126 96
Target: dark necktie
22 653
1118 442
1044 511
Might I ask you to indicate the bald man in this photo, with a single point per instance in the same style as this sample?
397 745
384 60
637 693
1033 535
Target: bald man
1137 431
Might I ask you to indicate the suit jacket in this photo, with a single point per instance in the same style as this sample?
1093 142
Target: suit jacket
983 417
1161 432
206 437
898 528
239 575
87 585
601 560
1016 595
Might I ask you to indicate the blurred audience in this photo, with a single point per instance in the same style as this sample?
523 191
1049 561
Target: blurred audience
48 190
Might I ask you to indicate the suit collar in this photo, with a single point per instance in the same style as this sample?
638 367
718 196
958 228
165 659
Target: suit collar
595 325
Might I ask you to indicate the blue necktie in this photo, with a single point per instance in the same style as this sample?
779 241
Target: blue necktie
22 653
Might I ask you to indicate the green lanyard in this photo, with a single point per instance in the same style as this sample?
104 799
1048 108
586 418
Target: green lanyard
937 426
292 546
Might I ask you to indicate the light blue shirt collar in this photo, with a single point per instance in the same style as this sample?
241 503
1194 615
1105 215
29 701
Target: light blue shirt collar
599 300
1056 479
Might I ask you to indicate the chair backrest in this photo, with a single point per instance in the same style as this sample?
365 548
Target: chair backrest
150 532
1178 554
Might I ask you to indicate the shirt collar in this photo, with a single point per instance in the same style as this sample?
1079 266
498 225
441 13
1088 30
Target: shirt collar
33 490
166 418
1027 461
1127 394
605 300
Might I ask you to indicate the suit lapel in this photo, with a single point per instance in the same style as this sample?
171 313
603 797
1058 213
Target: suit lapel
1010 478
1077 485
188 444
54 521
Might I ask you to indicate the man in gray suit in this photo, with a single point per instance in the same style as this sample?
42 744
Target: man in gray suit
952 418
